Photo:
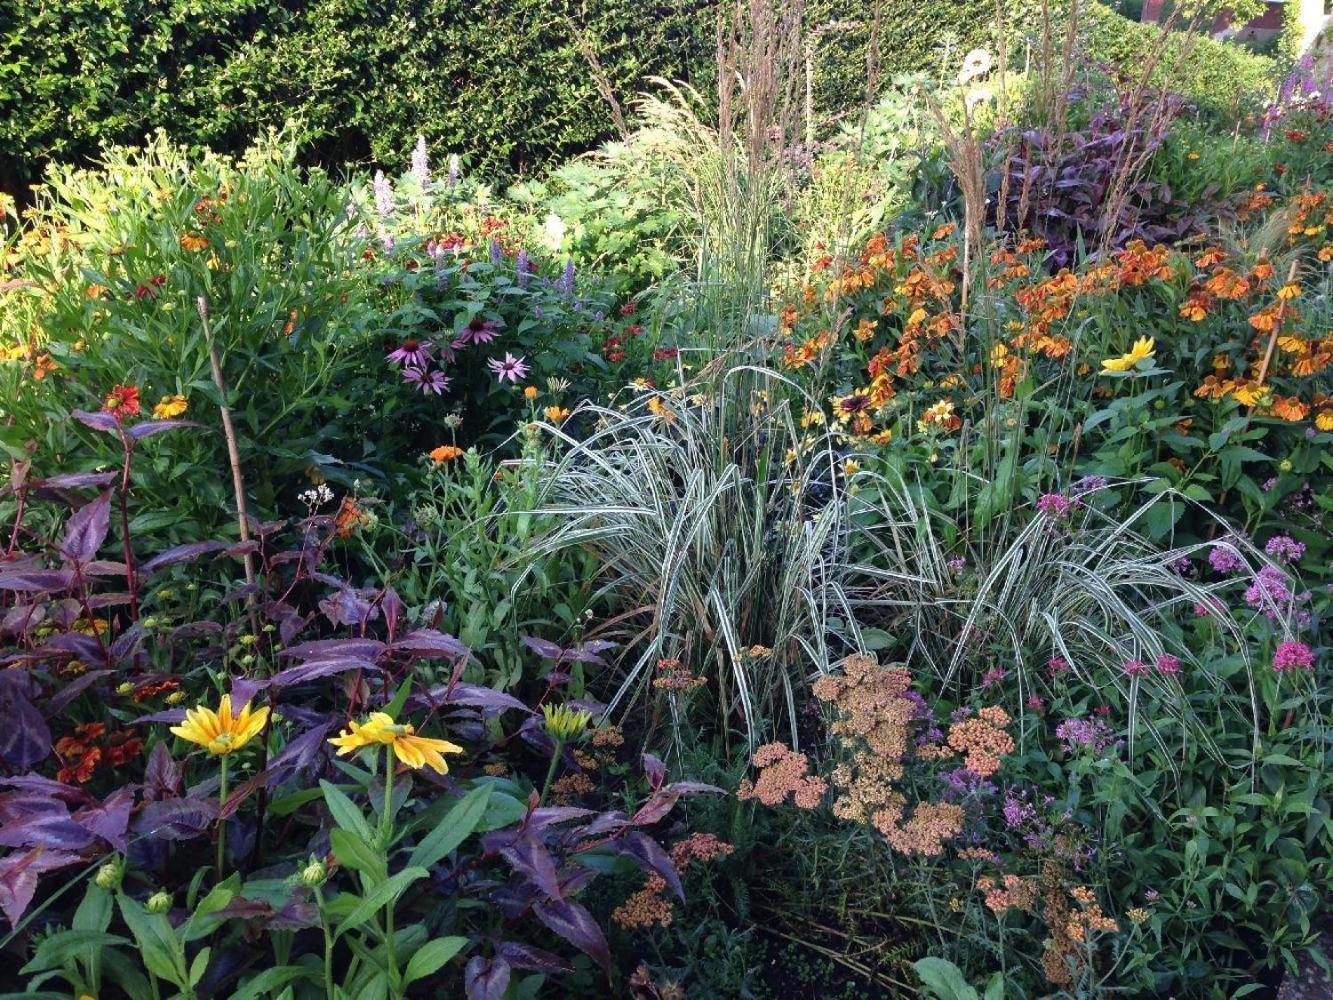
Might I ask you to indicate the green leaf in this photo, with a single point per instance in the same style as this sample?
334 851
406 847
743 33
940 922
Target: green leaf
378 898
456 827
59 948
161 951
272 980
944 979
353 852
199 966
431 956
344 811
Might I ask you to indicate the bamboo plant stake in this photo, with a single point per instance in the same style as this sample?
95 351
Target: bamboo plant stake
233 453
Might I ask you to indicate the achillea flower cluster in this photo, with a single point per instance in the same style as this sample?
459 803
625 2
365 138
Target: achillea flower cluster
783 774
650 907
983 740
1012 892
675 677
924 832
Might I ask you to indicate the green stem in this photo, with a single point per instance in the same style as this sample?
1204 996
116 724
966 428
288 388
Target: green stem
328 943
386 814
222 823
386 835
550 771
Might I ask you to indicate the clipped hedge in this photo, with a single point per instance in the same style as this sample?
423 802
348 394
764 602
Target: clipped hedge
1220 78
508 84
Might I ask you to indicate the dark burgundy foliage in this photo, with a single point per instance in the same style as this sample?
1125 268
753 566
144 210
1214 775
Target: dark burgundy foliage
1061 184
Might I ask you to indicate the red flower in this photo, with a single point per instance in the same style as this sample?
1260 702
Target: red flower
122 401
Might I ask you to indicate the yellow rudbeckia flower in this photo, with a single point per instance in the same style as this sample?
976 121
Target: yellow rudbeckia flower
221 732
1143 350
413 750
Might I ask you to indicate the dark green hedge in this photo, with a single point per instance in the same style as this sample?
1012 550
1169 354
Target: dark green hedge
504 82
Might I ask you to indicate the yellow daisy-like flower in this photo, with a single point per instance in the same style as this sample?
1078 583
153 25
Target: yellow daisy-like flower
170 406
221 732
413 750
1143 350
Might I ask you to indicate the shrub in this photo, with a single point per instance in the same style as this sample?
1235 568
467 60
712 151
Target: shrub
1223 79
111 298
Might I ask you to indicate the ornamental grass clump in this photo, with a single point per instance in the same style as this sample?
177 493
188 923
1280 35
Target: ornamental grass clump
719 528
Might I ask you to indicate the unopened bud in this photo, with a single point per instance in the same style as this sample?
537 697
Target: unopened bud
109 875
314 874
159 902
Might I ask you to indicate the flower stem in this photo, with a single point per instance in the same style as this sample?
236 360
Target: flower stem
328 943
386 814
386 835
222 822
550 771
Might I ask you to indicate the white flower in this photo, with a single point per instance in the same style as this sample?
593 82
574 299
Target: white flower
316 497
976 63
978 95
554 229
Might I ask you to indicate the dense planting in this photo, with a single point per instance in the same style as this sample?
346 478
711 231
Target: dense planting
770 555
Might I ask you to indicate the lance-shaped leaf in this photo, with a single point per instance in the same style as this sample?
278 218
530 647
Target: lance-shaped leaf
147 428
97 420
647 853
18 878
576 925
529 857
325 649
25 739
314 669
429 642
86 529
177 554
37 581
524 956
486 978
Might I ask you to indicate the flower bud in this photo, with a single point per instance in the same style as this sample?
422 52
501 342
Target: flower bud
247 640
125 689
1284 465
247 659
175 698
159 902
109 876
314 874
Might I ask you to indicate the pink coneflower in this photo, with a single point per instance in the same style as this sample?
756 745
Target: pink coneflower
427 380
1292 656
477 331
1168 664
512 368
1136 668
413 353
